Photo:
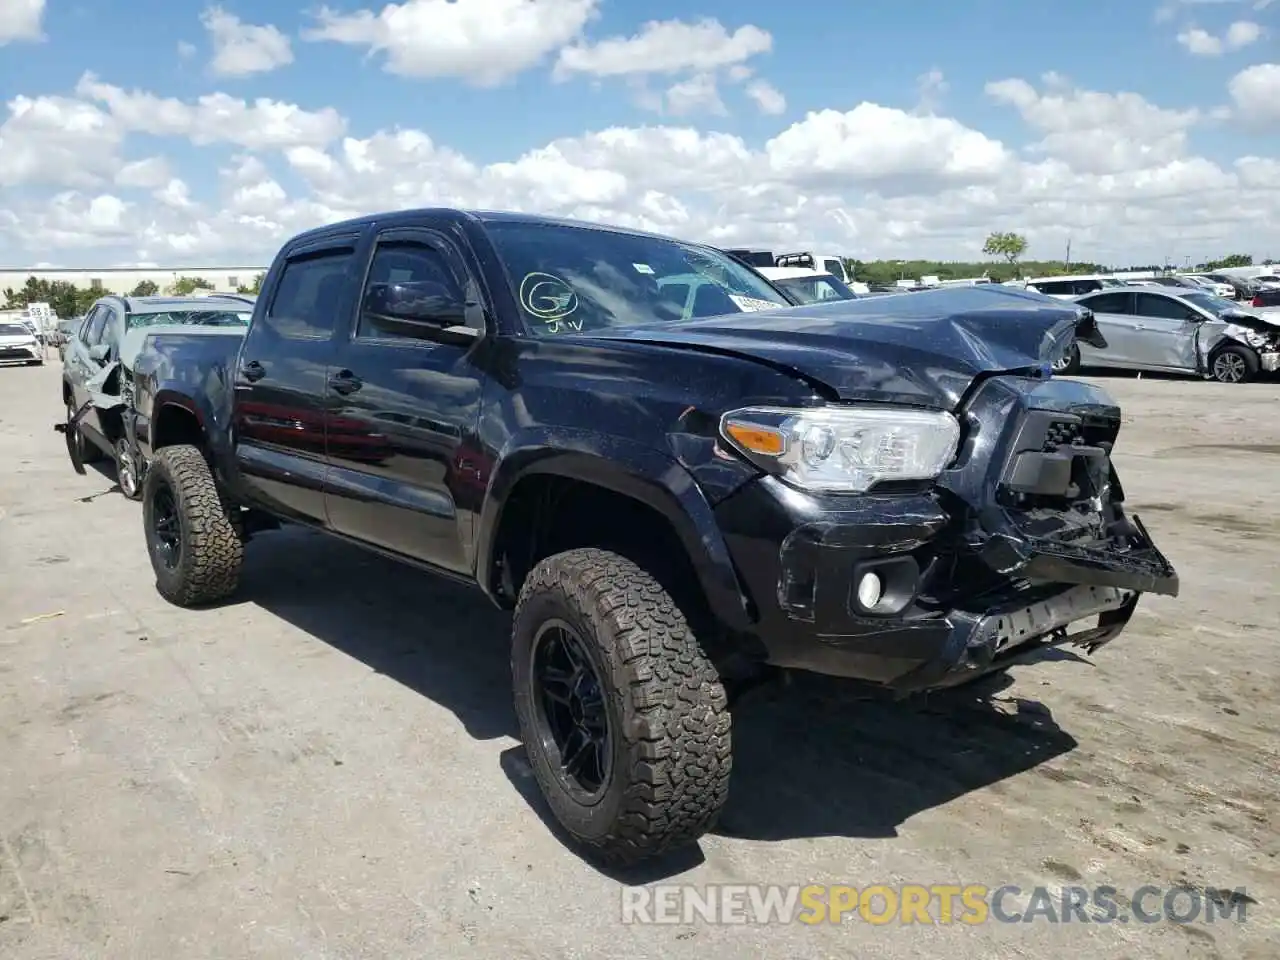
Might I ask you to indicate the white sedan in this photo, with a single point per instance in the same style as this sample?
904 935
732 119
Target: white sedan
17 342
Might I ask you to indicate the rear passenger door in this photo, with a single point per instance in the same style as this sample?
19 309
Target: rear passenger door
405 471
1113 313
279 411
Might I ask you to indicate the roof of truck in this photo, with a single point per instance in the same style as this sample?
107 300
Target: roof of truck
392 217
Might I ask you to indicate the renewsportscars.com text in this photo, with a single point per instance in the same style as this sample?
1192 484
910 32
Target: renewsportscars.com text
932 904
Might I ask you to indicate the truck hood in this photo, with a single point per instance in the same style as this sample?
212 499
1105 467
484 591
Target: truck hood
923 349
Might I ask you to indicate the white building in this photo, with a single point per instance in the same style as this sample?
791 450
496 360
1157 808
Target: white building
124 280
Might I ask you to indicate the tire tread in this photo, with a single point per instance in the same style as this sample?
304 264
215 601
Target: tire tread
677 731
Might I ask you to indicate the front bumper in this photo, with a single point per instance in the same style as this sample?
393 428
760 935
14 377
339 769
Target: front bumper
974 584
1270 362
10 352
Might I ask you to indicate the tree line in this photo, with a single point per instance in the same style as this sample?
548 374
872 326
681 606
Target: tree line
67 300
1006 252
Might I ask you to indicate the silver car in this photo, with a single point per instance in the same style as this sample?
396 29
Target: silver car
1178 331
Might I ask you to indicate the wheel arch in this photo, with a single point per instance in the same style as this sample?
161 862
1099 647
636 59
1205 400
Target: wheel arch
639 479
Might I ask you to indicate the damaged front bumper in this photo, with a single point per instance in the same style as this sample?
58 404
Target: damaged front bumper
962 589
1270 362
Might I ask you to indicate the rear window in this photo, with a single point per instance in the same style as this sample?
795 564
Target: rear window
306 298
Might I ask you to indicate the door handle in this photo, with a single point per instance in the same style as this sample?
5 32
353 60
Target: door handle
253 371
345 382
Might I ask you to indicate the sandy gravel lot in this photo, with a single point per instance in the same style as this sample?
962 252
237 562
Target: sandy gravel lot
325 768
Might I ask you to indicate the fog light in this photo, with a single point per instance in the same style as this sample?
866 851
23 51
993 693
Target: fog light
870 590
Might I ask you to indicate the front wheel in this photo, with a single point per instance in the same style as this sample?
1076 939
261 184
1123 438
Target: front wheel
1234 364
79 448
624 717
195 546
127 470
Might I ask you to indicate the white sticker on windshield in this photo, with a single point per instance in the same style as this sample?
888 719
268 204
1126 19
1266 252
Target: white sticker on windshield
751 304
643 268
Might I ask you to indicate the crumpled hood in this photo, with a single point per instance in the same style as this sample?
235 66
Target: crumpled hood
919 348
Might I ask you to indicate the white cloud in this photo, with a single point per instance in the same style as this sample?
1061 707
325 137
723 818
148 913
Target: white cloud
665 46
482 41
1115 172
1094 132
241 49
1255 91
215 118
767 97
931 87
150 173
698 94
20 20
1240 34
57 141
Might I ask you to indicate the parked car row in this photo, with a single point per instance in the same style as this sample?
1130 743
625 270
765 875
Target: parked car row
1176 329
1218 284
653 456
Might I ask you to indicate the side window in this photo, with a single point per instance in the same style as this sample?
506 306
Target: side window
833 267
1110 303
407 261
1086 286
308 297
1153 305
93 326
1052 287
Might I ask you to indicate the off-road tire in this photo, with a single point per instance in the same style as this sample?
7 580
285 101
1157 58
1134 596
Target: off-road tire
1248 363
212 550
671 727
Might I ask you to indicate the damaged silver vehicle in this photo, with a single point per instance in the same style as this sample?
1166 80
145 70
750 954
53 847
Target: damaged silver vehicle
100 361
1178 331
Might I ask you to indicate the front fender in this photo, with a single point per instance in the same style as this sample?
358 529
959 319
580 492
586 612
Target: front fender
633 470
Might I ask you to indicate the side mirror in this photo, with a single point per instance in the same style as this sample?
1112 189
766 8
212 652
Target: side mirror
1087 330
100 352
423 303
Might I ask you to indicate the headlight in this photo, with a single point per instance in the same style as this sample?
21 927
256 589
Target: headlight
845 449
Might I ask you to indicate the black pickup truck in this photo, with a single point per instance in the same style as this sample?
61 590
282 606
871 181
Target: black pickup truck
675 495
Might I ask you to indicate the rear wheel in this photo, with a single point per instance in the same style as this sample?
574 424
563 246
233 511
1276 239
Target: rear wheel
194 542
623 715
1069 362
1234 364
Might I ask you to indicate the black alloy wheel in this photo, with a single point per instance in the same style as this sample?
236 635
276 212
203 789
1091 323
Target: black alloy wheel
571 717
164 528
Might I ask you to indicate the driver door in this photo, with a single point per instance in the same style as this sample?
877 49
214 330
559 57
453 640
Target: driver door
402 409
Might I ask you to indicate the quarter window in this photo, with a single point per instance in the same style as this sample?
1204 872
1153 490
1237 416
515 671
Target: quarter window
308 298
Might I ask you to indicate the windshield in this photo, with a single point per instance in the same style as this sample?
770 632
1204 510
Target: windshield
815 289
13 330
569 279
1207 301
203 318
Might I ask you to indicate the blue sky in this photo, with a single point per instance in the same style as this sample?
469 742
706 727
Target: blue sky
876 52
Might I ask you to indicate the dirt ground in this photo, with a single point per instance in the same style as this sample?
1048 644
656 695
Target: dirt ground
326 767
